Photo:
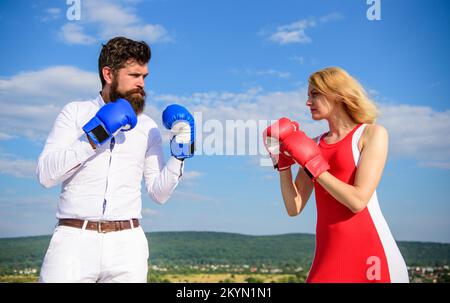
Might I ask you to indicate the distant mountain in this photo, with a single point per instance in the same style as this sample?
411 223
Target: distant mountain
195 248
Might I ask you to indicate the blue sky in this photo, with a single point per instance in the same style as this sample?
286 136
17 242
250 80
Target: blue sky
234 60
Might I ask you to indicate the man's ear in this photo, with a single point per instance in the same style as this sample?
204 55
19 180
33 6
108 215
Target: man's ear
107 74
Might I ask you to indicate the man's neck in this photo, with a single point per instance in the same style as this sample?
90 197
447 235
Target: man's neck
105 94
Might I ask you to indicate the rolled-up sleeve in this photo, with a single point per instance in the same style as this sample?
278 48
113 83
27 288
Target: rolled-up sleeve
65 149
160 179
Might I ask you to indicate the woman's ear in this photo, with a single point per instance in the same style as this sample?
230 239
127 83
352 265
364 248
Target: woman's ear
338 99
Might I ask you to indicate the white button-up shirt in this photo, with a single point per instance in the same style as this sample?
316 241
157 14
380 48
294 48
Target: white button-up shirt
105 183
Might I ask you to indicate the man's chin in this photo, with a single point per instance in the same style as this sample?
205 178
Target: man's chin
138 105
136 99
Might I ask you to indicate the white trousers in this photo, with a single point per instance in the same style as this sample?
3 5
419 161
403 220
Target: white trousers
79 255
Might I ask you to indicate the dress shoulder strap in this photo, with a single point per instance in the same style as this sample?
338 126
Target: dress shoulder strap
355 140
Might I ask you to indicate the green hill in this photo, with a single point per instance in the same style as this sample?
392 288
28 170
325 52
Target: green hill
227 248
196 248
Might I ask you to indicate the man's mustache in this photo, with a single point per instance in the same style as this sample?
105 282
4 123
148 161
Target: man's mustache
136 90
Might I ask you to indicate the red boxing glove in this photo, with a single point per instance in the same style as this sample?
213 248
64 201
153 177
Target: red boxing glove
284 162
272 137
305 152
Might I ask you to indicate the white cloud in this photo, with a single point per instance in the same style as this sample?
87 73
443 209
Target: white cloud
72 33
293 33
299 59
147 212
50 14
435 164
53 11
335 16
296 32
56 83
32 100
148 32
45 201
263 72
418 132
270 177
21 168
101 19
272 72
254 109
189 197
27 215
5 136
191 175
253 104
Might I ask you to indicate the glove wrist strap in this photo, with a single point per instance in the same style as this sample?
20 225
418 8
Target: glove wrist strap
316 166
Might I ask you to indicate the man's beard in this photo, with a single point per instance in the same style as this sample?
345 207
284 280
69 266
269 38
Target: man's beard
136 97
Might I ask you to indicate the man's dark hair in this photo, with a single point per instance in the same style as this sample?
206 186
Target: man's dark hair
118 51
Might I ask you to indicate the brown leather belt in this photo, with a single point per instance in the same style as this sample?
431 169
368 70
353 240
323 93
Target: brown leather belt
99 226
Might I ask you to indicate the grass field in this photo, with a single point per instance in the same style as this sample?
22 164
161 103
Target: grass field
19 279
237 278
184 278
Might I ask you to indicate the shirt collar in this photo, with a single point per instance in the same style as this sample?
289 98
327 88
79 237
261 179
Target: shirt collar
99 100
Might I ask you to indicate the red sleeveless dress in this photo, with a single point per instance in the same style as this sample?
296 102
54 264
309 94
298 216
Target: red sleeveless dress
352 247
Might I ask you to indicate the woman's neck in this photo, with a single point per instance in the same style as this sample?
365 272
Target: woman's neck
340 124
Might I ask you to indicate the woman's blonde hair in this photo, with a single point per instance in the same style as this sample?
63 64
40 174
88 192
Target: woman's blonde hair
336 81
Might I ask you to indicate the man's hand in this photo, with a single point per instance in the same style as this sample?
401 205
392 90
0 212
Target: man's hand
109 119
181 123
91 142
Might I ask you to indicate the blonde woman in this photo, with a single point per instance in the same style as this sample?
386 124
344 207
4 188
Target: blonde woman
344 167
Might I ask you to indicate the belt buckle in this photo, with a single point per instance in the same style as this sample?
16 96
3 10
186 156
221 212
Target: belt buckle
99 227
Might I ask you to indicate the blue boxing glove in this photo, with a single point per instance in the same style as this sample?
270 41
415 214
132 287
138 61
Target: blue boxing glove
109 119
181 123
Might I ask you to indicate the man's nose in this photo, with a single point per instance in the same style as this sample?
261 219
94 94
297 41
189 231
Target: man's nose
140 82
